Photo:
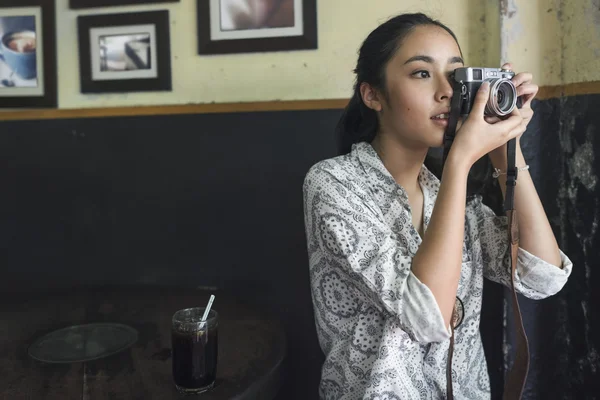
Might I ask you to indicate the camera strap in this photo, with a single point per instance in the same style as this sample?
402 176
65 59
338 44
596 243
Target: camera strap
516 376
459 93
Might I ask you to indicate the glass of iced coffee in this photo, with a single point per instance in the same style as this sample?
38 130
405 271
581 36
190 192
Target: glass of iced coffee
194 349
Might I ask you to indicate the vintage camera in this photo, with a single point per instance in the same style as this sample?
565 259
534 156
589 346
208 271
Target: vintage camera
503 94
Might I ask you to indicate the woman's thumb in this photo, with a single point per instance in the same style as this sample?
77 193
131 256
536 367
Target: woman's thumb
481 99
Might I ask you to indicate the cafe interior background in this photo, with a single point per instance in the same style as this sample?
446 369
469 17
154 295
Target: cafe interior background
197 181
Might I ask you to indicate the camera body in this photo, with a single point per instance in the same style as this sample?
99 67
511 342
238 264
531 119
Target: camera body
502 95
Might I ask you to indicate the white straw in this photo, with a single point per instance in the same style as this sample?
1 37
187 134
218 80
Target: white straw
210 301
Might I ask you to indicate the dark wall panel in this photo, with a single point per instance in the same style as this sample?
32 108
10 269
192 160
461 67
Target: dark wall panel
561 146
216 200
199 200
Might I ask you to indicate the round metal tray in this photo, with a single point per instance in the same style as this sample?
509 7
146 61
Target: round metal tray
80 343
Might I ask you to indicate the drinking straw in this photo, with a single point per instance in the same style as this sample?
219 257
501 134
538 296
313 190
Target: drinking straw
210 302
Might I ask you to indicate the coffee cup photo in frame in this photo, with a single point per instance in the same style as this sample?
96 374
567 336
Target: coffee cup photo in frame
28 54
18 51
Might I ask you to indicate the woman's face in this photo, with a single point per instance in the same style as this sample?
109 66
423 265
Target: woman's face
416 108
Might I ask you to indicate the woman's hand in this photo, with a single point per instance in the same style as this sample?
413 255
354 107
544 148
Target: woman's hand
527 91
477 136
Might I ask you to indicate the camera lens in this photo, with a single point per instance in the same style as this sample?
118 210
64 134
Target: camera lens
502 99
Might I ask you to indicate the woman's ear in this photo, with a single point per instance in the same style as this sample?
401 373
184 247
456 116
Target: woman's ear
370 97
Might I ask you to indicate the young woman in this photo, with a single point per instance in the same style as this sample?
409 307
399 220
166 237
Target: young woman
392 247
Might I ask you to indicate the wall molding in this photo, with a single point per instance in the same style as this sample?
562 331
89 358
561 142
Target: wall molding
210 108
545 92
570 89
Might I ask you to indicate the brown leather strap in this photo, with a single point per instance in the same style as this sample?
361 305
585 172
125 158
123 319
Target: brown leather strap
517 375
449 391
458 314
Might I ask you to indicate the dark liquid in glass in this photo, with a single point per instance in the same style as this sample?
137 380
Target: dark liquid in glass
195 358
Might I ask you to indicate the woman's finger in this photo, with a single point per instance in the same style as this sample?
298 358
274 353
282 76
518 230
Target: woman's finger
517 132
508 124
481 98
522 78
527 88
527 92
491 119
526 113
516 112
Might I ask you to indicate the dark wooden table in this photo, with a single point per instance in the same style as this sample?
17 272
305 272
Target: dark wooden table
251 346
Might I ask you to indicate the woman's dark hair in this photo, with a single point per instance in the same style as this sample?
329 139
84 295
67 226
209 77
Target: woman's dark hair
360 123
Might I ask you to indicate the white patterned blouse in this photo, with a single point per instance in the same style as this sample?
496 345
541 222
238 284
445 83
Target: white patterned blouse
380 328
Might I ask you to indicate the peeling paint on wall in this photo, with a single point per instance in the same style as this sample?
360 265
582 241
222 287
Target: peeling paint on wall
557 40
592 16
510 27
561 145
508 8
581 164
580 28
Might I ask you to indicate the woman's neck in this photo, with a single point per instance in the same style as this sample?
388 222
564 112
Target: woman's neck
404 164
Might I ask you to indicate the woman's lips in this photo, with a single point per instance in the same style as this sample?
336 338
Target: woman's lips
440 119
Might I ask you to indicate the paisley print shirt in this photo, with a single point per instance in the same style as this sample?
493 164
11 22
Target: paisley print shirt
380 328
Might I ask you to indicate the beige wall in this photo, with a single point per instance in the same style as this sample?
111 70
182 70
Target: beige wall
557 40
318 74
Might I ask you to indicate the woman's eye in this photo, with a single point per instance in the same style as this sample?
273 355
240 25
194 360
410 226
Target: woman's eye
421 74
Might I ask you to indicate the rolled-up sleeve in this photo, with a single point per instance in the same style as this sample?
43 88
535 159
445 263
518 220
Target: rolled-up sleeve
534 277
351 234
538 279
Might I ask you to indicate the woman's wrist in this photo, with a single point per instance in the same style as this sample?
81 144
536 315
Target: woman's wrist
499 158
458 163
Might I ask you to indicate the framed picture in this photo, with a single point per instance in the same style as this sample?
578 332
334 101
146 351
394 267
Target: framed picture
77 4
127 52
242 26
27 54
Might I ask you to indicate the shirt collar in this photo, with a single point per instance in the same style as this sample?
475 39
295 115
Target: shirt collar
380 176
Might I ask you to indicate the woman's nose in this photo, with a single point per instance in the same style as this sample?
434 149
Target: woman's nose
444 90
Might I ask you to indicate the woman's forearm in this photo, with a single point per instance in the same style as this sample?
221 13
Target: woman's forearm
438 261
535 233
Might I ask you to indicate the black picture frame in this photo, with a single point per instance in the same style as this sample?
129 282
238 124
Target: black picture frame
48 96
162 47
308 40
81 4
